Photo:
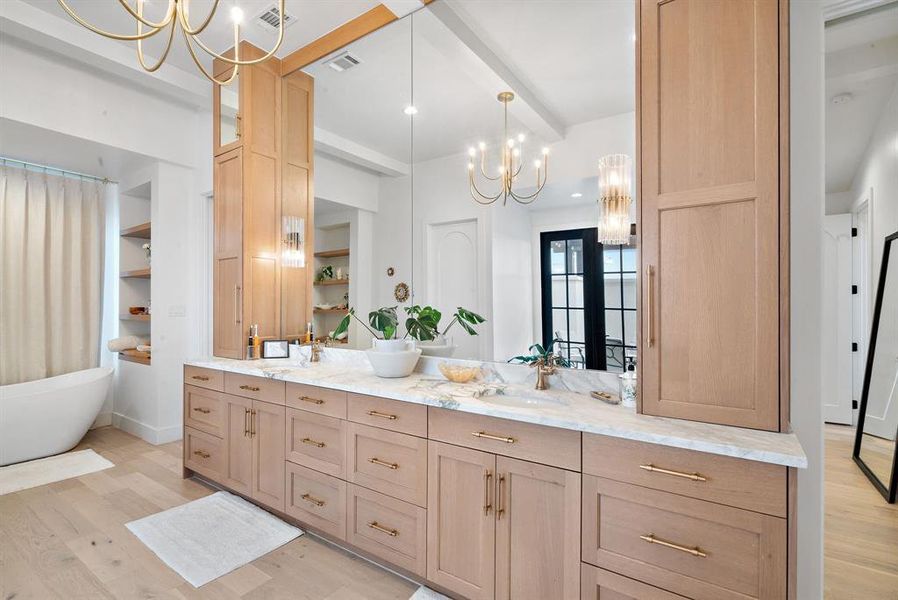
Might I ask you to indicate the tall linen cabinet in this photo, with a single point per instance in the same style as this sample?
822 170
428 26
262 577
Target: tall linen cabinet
712 117
262 171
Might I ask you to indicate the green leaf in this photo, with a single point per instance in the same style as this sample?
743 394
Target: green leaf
420 329
468 316
384 320
464 325
344 323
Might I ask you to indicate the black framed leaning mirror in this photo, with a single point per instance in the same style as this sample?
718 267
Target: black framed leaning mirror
876 441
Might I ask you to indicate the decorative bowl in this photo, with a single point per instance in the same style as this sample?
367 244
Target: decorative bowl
458 373
400 345
393 364
137 310
440 347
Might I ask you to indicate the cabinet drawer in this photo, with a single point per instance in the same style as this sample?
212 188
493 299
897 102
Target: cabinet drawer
387 528
204 410
536 443
316 441
389 462
394 415
203 453
599 584
317 399
732 481
257 388
697 549
316 499
207 378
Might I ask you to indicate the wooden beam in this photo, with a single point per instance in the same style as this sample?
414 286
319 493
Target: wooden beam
345 34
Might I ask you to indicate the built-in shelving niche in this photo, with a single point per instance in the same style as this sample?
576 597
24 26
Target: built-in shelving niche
135 269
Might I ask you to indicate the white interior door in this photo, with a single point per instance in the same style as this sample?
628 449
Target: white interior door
837 363
860 306
453 266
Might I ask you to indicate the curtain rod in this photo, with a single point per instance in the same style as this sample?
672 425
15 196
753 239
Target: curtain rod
25 164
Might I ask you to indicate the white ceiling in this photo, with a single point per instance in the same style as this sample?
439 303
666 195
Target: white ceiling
861 60
313 18
572 61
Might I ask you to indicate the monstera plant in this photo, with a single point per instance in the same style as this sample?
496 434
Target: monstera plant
538 353
423 322
384 323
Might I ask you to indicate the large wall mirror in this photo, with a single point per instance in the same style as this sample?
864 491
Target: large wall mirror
407 117
876 444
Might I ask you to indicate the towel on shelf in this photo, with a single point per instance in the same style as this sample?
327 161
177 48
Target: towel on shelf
126 342
145 348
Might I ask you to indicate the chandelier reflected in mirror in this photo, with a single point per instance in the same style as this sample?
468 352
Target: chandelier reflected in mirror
177 16
511 162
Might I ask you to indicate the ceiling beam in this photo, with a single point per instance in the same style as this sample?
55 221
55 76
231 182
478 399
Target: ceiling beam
357 154
486 66
863 63
37 27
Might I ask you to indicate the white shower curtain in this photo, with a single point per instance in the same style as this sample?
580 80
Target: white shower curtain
51 274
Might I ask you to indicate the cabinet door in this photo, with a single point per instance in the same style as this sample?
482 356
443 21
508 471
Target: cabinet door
238 461
537 531
269 426
710 210
229 334
227 116
461 527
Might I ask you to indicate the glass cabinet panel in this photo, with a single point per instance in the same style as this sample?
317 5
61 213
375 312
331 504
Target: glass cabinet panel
228 111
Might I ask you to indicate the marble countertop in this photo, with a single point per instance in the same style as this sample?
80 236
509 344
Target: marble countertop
506 391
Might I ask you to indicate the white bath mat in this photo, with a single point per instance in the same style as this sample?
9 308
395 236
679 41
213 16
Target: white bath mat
210 537
424 593
14 478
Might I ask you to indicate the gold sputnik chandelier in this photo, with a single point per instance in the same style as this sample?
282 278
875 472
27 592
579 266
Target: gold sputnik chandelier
177 15
510 167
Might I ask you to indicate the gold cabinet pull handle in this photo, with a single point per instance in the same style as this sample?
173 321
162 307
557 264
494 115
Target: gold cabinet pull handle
375 413
245 422
252 423
487 479
249 388
692 476
650 538
237 304
500 499
650 302
202 454
312 442
382 463
490 436
312 500
311 400
199 377
237 121
382 529
200 409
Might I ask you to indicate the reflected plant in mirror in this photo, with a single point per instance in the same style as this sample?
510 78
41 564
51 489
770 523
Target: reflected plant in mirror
423 324
384 323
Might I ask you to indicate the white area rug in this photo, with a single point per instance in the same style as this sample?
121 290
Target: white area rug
14 478
424 593
210 537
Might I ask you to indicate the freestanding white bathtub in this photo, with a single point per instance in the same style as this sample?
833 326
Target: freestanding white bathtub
48 416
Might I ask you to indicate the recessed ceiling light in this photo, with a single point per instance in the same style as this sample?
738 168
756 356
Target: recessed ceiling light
842 98
576 195
410 110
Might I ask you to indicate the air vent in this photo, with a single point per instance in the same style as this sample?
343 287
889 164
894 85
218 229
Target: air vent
342 62
270 18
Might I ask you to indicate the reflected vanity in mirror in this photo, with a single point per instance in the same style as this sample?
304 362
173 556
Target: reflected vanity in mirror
472 175
875 446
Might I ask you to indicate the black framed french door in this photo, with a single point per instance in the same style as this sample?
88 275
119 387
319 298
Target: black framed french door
573 315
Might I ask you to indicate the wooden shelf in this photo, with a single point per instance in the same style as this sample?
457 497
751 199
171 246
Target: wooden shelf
333 253
330 310
333 282
130 317
141 231
135 356
136 274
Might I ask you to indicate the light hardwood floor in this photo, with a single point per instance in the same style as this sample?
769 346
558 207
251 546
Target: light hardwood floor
860 528
68 540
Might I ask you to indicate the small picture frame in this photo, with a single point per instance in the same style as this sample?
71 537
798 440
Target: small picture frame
275 349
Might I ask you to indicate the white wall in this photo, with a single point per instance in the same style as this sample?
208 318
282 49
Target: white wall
839 202
877 178
349 185
807 204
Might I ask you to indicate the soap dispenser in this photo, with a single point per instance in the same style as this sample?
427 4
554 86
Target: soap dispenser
628 383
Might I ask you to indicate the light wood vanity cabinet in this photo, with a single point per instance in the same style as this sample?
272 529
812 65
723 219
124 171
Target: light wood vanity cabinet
712 116
484 508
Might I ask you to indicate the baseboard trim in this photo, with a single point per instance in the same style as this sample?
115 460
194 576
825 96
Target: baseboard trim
102 420
148 433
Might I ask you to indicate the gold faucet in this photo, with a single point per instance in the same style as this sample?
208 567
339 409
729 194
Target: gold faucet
545 366
315 351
